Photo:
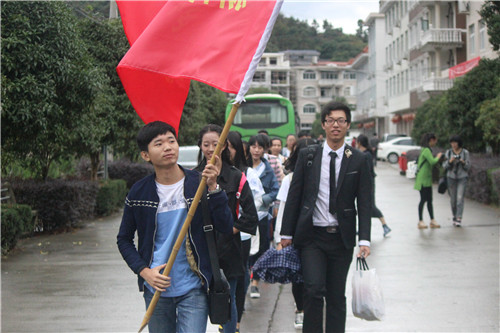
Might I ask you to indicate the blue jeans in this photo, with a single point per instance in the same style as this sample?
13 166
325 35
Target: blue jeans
230 326
183 314
456 189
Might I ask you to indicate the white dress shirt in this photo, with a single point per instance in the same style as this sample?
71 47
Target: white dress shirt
321 214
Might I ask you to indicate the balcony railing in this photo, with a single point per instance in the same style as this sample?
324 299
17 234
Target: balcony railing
437 84
441 37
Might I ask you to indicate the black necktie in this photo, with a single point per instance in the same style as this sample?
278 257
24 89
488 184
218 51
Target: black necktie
333 156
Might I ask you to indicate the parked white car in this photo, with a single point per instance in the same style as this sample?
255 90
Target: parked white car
188 156
391 150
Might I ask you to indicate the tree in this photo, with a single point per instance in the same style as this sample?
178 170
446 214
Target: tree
466 97
110 120
360 32
46 83
204 105
292 34
433 111
489 122
490 12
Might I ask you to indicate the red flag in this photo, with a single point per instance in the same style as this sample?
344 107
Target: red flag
216 42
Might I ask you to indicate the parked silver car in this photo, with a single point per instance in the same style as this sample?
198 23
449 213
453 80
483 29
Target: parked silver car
188 156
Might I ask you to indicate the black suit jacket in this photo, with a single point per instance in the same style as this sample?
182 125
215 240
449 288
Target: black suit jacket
354 183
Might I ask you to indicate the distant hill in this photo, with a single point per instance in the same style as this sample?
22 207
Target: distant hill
292 34
289 34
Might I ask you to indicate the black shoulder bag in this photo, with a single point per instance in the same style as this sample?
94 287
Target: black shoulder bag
219 298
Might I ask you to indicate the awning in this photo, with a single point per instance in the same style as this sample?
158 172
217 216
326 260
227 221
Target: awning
463 68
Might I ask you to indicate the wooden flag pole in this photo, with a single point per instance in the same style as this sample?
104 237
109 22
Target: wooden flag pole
190 215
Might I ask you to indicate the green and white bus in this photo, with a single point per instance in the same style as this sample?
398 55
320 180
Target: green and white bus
271 112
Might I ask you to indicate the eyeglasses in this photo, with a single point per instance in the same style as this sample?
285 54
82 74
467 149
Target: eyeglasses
331 121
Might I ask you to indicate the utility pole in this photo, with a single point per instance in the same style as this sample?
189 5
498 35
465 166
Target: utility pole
113 14
113 9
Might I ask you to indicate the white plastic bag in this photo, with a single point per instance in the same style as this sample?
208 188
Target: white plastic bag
411 170
255 243
367 298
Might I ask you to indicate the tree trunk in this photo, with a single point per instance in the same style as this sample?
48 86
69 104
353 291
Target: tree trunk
94 165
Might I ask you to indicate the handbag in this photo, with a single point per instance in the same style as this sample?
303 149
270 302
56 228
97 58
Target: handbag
219 297
367 298
442 185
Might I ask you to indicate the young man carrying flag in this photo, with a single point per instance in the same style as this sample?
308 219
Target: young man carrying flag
219 43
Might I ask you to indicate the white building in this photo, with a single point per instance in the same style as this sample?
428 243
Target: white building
320 83
371 106
273 73
306 81
426 45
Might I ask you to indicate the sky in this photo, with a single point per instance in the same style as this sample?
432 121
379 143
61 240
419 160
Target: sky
340 13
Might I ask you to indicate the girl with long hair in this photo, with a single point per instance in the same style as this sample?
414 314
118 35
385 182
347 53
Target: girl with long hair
423 181
229 246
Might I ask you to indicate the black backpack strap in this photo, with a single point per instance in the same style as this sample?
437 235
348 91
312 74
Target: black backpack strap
208 228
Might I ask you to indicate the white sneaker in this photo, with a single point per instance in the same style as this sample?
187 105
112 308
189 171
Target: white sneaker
254 292
299 319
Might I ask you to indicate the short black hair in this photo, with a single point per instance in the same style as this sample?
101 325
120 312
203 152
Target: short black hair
303 133
426 137
276 138
150 131
334 106
263 131
456 138
363 140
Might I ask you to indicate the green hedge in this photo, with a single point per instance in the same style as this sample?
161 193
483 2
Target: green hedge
494 182
60 203
111 196
16 220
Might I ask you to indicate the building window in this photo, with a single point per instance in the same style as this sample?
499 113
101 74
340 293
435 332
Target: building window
482 35
273 61
306 126
472 39
259 76
347 91
425 23
309 108
278 78
329 76
309 92
349 76
262 62
326 92
309 75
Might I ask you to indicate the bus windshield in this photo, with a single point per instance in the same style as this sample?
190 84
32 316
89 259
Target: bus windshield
261 114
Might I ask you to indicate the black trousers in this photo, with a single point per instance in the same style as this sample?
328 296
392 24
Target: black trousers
425 196
325 264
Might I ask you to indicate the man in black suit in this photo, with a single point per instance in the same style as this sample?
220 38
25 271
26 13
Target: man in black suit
320 218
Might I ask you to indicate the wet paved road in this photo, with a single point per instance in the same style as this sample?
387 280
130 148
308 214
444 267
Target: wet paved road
444 280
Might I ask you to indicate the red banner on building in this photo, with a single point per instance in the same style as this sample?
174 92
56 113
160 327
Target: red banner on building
217 42
463 68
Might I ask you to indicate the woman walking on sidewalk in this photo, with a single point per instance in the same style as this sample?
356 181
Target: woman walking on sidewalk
364 146
423 181
457 165
229 247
